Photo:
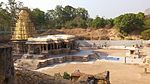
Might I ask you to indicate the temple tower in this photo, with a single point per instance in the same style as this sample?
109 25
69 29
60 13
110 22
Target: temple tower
23 30
6 65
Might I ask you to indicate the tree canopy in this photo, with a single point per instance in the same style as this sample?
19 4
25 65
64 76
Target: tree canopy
129 22
71 17
66 16
5 20
146 34
38 17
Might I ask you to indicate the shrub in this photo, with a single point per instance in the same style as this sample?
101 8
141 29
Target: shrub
146 34
128 23
66 75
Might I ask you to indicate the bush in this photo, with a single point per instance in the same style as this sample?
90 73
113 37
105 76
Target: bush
128 23
76 22
147 24
66 75
146 34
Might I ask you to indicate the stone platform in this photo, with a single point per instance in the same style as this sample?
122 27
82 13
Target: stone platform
33 64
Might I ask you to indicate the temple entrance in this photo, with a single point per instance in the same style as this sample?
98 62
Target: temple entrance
37 50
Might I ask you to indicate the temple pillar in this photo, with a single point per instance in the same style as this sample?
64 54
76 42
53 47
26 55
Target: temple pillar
40 48
51 46
54 47
57 46
29 48
47 47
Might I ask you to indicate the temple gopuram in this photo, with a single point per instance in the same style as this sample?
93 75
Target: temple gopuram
26 41
23 30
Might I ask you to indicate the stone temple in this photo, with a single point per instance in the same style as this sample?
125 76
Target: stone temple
26 41
51 44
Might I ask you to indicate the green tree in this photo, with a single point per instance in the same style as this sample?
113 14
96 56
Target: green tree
38 17
140 15
76 22
69 13
98 22
60 20
71 24
50 18
1 4
13 7
128 22
82 12
146 34
67 16
147 24
109 23
5 20
89 22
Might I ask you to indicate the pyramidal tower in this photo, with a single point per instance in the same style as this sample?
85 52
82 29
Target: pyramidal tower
24 26
23 30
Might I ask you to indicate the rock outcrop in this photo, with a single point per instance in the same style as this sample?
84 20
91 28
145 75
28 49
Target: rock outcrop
32 77
6 65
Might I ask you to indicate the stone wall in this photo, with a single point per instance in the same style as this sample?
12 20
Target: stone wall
107 43
36 63
6 65
58 60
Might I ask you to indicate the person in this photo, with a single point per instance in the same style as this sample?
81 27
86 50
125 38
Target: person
94 45
105 44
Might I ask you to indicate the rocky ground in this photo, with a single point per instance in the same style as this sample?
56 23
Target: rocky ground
32 77
94 34
89 33
120 73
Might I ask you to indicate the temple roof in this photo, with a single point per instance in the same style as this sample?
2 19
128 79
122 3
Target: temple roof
51 38
3 45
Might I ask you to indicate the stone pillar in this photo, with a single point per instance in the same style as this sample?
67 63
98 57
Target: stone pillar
6 65
46 47
19 47
57 46
29 48
40 46
54 46
50 46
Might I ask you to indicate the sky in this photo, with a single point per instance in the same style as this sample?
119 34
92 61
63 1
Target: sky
102 8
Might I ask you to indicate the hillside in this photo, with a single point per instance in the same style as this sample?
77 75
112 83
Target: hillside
88 34
94 34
